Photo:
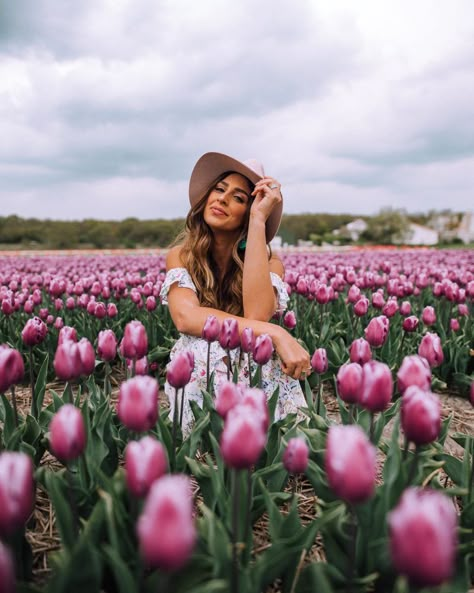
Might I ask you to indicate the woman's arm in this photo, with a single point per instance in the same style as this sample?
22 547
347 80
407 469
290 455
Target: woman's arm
189 318
258 294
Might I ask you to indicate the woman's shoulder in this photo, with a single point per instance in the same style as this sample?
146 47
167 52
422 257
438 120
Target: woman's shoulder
173 257
276 265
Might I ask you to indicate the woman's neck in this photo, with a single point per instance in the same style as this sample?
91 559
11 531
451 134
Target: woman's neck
222 252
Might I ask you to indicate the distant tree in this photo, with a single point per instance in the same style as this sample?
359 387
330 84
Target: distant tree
387 227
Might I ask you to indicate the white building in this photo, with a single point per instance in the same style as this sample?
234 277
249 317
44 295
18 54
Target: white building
465 230
416 234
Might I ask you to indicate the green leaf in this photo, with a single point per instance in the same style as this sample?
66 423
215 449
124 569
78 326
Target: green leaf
454 468
58 493
40 387
125 581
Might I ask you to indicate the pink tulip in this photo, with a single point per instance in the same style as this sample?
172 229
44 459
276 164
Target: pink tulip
7 570
228 395
349 382
430 348
58 323
150 303
135 340
354 294
229 334
420 415
361 306
350 462
410 323
137 406
463 310
263 349
295 457
112 310
12 368
360 351
168 511
34 332
100 310
211 329
405 308
107 345
179 370
319 361
377 386
87 356
390 308
247 340
289 320
16 491
243 438
423 536
67 333
414 370
377 300
377 331
145 462
428 316
454 324
257 400
141 366
67 361
67 433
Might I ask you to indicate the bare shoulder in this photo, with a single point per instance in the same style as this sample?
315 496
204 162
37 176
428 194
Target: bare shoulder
173 258
276 266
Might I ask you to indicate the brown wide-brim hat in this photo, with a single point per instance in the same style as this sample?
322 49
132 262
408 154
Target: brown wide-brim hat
214 164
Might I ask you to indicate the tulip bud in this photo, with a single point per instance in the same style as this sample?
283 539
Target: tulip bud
295 457
350 463
354 294
405 308
87 356
137 406
141 365
361 306
414 370
257 400
135 340
377 386
7 570
289 320
211 329
168 511
34 332
430 348
377 300
12 368
423 536
263 349
420 415
67 361
463 310
243 438
107 345
179 370
319 361
100 310
454 324
150 303
410 323
112 310
390 308
349 382
228 395
247 340
360 351
67 333
16 491
229 334
145 462
67 433
377 331
428 316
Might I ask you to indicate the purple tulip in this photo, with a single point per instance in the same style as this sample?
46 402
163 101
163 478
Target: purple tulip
243 437
137 406
135 340
405 308
360 351
150 303
12 368
67 361
67 333
112 310
228 395
420 415
414 370
141 365
179 370
423 536
377 331
289 320
454 324
377 386
350 463
410 323
430 348
229 337
34 332
87 356
319 361
428 315
145 462
361 306
107 345
263 349
247 340
67 433
211 329
16 491
390 307
349 382
168 511
256 399
295 457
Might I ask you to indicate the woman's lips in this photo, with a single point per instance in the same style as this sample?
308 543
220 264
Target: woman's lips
218 211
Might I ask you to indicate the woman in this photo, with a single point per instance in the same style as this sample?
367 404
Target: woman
221 266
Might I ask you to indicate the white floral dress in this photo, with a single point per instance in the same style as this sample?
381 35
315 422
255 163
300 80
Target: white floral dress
290 394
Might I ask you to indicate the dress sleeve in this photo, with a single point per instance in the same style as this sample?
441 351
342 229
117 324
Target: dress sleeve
280 287
179 275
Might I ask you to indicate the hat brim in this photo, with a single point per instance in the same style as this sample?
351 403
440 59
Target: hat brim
211 166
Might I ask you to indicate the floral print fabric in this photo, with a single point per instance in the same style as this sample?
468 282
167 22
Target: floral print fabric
290 393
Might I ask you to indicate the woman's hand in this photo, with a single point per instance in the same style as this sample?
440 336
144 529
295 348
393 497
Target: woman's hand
267 195
295 361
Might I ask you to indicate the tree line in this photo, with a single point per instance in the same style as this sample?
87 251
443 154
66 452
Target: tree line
131 233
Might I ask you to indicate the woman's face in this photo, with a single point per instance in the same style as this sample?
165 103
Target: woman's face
227 204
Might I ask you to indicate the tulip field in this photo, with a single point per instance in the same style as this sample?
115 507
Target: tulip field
368 488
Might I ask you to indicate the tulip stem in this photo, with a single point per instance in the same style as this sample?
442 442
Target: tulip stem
15 410
319 395
470 486
250 369
235 526
259 376
32 383
181 409
372 427
351 413
208 367
107 385
72 500
248 506
413 466
353 548
175 427
405 449
229 364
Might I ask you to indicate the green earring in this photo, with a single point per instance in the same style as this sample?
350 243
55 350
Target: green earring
242 244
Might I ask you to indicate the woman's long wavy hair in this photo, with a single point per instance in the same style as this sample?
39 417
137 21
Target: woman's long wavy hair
196 255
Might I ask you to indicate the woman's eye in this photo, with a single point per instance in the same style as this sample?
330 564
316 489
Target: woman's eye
239 199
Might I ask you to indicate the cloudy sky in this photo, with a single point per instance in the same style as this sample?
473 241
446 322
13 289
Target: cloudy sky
105 105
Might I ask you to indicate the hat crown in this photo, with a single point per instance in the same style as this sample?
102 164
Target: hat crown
256 166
